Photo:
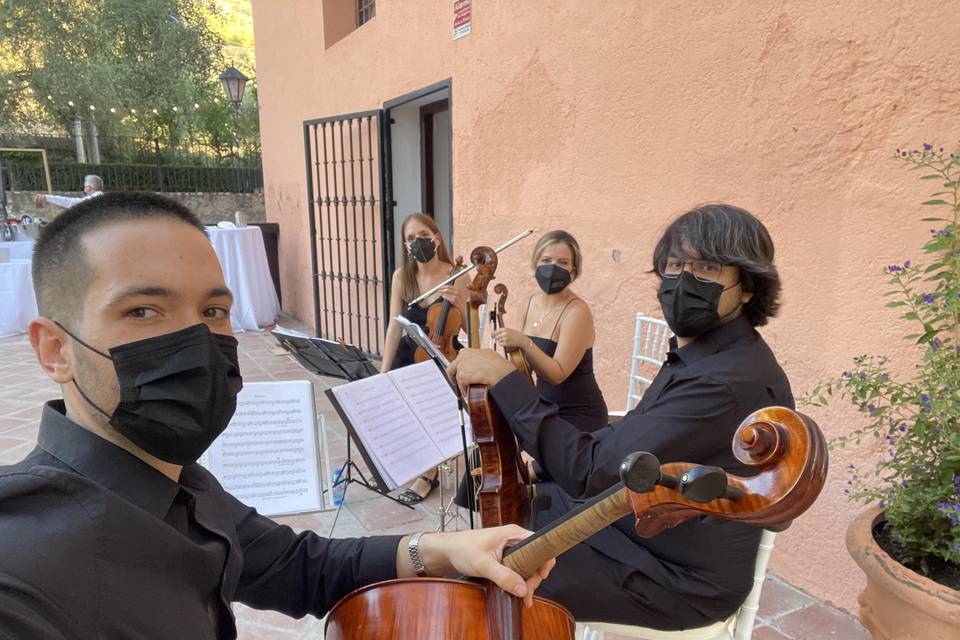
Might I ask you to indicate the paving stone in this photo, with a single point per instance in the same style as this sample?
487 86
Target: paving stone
779 598
821 622
767 633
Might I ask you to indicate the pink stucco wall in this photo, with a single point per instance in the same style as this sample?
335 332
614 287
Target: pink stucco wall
609 122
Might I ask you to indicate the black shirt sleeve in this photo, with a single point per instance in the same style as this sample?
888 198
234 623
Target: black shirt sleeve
693 426
303 573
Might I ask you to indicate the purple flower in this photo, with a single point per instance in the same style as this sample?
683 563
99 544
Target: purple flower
882 504
871 408
936 344
927 147
902 427
955 547
906 265
928 298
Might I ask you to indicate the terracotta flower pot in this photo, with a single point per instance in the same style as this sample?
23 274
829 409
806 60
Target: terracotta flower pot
897 603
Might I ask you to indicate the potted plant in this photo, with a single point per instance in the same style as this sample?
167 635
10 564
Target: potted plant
908 542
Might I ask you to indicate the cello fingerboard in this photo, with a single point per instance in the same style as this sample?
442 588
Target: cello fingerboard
573 528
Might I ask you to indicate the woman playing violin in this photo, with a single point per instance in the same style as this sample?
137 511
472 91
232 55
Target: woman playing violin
556 334
425 263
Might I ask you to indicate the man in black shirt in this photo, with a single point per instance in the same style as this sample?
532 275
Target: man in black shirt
717 282
109 529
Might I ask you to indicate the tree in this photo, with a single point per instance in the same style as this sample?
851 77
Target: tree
150 61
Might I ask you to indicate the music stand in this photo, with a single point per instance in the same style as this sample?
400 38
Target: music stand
349 466
337 360
326 357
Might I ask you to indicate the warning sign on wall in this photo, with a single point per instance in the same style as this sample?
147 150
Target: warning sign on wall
462 18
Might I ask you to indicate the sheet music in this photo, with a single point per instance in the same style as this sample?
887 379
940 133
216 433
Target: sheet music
429 395
268 455
388 429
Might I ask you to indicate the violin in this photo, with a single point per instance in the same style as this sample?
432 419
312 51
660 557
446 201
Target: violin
503 492
786 447
443 324
513 354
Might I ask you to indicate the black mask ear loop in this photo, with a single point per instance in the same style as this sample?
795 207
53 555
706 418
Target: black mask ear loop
75 383
736 308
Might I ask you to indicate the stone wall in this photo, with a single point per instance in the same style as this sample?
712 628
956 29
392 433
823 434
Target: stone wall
211 207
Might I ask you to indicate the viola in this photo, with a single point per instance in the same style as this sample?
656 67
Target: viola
503 491
443 324
513 354
786 447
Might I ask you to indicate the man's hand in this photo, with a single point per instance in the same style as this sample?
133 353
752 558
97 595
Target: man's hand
478 366
476 553
40 199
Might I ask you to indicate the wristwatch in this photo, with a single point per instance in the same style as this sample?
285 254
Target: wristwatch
413 546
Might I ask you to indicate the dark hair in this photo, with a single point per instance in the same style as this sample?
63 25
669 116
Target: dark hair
728 235
61 273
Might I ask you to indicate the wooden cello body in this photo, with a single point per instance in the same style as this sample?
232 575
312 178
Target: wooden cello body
787 448
439 608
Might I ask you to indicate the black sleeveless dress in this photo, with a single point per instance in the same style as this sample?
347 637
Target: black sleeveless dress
578 397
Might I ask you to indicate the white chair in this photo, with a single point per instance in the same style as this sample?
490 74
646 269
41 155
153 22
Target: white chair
739 626
651 339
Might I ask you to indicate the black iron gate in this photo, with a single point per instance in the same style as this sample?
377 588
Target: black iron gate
351 231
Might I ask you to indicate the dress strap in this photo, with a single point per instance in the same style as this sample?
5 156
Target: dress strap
560 317
523 325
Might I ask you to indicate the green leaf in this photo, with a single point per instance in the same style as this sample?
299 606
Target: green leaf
935 202
896 303
934 220
932 176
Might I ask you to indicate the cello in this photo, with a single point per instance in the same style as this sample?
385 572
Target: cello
786 448
503 484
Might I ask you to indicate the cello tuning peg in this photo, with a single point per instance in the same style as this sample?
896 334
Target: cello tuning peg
704 484
640 471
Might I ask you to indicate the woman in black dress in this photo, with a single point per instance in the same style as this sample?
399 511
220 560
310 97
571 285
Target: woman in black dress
557 334
426 263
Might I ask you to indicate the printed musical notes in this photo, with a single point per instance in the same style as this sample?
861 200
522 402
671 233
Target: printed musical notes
406 420
268 455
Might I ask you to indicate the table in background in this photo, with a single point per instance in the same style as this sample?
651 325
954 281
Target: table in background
247 274
19 250
18 304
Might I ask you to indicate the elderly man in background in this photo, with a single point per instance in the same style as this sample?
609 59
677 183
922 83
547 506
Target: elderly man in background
92 187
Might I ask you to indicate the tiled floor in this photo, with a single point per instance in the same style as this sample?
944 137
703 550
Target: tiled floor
785 612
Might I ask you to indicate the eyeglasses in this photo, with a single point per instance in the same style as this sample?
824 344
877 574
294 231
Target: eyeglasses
702 270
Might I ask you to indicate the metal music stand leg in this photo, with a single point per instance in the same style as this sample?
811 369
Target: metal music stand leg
449 511
347 478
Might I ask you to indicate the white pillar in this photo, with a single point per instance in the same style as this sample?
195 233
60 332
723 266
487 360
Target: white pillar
94 142
78 140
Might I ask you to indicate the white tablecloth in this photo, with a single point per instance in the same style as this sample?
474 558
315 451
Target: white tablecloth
19 250
18 305
245 269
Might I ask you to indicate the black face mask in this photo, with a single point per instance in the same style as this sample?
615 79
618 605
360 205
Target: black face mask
423 249
553 278
178 391
691 306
